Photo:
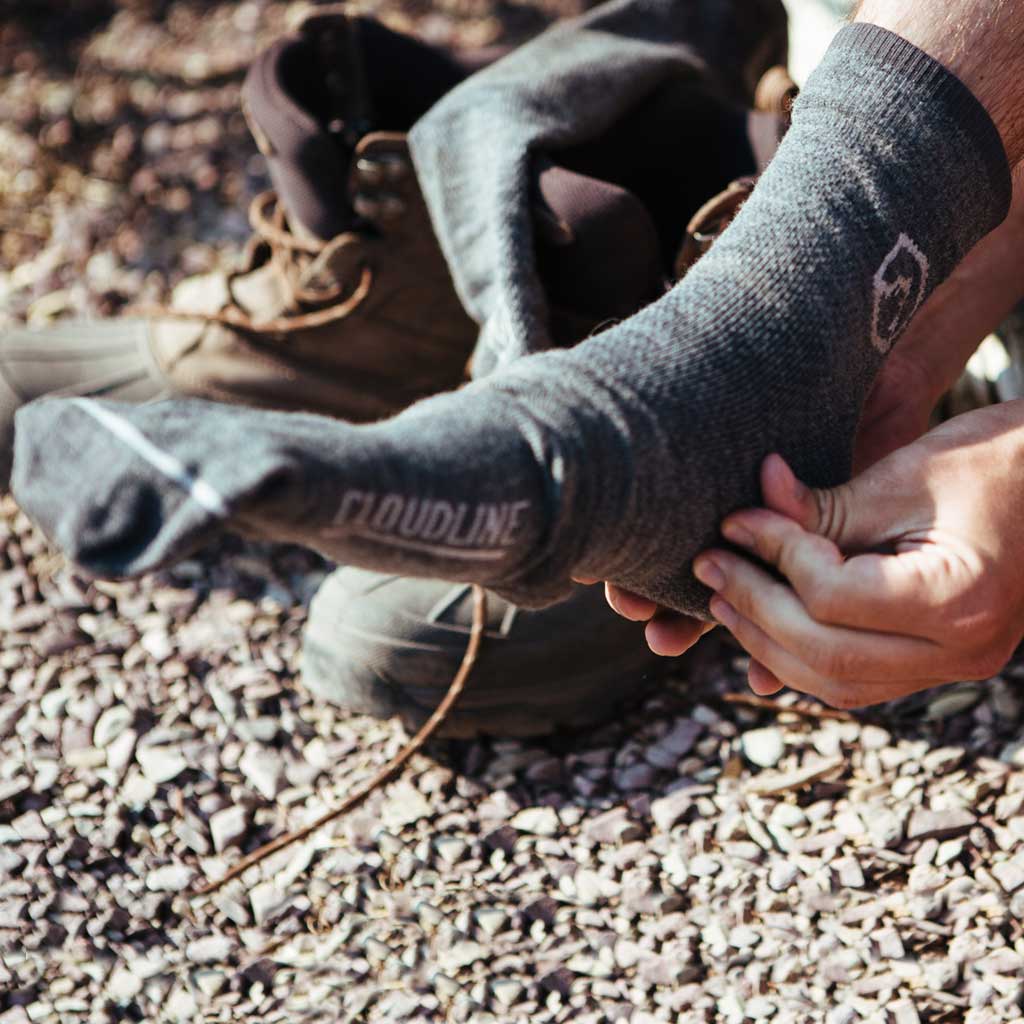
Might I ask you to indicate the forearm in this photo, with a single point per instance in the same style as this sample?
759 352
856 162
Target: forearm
980 41
978 296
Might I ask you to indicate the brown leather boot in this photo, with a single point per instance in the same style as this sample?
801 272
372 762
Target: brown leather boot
357 327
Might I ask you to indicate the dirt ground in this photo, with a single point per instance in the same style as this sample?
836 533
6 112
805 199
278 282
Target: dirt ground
701 859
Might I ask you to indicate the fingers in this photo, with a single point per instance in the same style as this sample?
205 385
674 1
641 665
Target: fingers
784 494
857 516
629 605
798 648
773 665
886 593
670 635
763 681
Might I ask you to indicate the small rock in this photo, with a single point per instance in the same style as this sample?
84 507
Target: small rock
30 828
491 920
635 777
450 849
843 1014
268 902
889 943
771 783
703 866
462 954
1009 874
953 701
612 827
885 827
763 747
658 970
170 878
122 986
851 876
111 724
263 769
181 1006
744 937
538 821
682 736
590 887
782 875
1013 754
377 952
670 809
506 991
874 737
210 983
760 1008
925 823
403 805
137 791
121 750
160 764
211 949
941 975
904 1012
228 827
157 644
948 852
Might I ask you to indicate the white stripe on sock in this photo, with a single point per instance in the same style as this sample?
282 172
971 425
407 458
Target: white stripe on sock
201 492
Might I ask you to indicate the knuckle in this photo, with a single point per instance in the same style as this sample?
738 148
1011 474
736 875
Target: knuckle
743 598
832 512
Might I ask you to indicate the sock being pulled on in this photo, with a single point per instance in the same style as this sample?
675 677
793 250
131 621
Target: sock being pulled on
619 458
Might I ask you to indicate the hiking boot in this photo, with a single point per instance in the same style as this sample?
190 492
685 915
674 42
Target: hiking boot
389 645
343 304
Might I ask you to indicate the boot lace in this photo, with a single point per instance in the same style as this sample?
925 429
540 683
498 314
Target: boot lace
304 265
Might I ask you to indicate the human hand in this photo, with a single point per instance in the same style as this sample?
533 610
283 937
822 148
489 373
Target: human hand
925 363
931 591
897 412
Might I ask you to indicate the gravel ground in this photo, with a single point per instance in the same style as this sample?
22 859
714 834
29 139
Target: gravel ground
701 859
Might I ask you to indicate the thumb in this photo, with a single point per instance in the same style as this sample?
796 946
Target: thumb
845 515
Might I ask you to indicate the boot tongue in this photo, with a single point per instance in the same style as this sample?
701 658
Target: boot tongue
307 103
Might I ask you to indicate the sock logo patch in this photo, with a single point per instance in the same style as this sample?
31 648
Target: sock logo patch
899 288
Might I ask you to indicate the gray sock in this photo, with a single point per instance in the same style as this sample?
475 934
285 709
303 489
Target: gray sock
617 459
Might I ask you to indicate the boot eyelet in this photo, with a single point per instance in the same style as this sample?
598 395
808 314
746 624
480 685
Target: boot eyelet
365 206
370 172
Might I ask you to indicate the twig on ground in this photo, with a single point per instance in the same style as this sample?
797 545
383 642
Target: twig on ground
389 770
751 700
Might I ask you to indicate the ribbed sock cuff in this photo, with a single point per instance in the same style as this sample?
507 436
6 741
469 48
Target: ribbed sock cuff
900 85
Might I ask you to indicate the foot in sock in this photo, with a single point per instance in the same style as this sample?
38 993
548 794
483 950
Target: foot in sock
617 459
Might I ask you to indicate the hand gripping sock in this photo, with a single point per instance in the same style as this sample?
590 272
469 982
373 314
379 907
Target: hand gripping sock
619 458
